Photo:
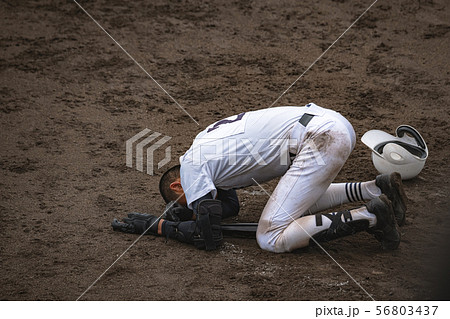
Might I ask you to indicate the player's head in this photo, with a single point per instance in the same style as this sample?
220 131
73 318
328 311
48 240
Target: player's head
170 185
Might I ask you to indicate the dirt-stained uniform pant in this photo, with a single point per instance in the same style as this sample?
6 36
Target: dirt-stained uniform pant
325 145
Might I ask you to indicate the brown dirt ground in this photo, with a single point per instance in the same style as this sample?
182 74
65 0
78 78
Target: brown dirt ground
70 98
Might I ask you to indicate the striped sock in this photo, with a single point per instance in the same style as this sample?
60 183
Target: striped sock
354 192
341 193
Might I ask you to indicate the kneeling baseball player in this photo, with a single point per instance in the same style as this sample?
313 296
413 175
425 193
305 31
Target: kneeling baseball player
305 146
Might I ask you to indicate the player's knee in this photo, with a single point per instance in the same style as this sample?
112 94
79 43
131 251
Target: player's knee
269 242
264 245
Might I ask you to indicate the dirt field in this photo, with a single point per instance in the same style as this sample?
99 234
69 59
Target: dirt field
70 98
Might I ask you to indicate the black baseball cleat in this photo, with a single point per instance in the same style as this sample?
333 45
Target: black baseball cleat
386 230
391 185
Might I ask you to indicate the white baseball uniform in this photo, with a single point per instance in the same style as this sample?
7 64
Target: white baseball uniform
260 145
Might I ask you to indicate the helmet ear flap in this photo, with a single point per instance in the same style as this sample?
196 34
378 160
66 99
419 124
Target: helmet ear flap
396 154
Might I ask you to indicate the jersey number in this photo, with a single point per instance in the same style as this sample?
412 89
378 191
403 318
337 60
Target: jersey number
238 117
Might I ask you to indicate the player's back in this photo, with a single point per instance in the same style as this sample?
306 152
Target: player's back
251 145
271 123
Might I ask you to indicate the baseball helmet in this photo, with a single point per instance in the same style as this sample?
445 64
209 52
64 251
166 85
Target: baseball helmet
405 153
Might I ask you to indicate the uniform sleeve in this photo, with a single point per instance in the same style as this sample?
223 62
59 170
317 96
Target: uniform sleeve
196 181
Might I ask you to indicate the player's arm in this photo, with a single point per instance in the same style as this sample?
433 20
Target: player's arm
176 212
204 232
230 202
197 201
139 223
228 199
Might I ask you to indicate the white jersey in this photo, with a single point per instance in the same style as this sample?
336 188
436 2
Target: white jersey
234 152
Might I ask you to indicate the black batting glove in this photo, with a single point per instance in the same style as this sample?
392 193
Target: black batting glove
176 212
137 223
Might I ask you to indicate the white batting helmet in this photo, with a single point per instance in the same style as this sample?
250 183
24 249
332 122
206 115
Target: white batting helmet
405 153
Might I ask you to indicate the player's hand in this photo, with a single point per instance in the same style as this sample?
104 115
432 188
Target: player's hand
137 223
176 212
